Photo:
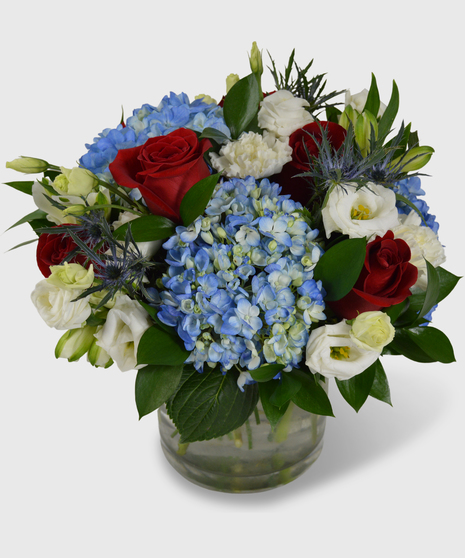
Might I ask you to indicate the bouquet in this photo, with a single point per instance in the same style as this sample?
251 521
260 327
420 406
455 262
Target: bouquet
243 251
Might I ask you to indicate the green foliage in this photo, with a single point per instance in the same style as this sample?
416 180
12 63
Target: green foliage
155 385
266 372
196 198
356 390
37 215
159 347
272 412
373 102
241 105
349 255
390 114
147 228
24 186
422 344
311 396
210 405
380 388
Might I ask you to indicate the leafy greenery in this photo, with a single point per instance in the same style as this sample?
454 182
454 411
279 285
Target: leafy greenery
155 385
241 105
159 347
357 389
196 199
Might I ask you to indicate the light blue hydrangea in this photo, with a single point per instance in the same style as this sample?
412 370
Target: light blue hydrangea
239 288
411 188
174 112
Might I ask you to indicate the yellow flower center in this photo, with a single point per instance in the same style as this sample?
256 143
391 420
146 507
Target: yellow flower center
361 213
340 353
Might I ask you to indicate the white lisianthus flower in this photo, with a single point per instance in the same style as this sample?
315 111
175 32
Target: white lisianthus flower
368 212
148 249
126 322
75 182
358 102
252 155
372 331
423 243
57 306
333 353
281 113
71 276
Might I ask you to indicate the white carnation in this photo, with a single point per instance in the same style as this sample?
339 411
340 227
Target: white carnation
252 155
332 353
58 307
423 243
126 322
368 212
282 113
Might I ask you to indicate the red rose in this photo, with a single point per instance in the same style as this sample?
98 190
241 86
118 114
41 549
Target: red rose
163 169
52 249
385 279
302 142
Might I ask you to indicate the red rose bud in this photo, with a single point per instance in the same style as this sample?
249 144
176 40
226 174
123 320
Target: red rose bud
52 249
301 141
385 280
164 168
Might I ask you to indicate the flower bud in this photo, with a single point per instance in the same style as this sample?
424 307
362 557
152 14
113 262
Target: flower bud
75 343
206 99
71 276
76 209
364 125
98 357
348 116
28 165
414 159
372 331
75 182
231 80
255 59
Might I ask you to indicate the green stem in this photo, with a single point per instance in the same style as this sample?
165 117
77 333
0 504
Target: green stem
249 434
282 429
257 416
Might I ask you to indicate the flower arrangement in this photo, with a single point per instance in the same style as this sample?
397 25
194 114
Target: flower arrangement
243 251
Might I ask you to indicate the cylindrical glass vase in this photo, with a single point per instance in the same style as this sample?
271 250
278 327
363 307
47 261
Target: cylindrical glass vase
252 458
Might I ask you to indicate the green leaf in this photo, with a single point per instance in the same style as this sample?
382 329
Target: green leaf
332 114
396 310
155 385
147 228
159 347
357 389
272 412
433 342
403 199
23 244
287 387
37 214
447 282
209 404
432 291
372 102
196 199
389 114
348 255
380 388
402 345
241 105
24 186
266 372
311 396
215 135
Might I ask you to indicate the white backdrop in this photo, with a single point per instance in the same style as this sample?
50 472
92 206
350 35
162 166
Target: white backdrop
79 474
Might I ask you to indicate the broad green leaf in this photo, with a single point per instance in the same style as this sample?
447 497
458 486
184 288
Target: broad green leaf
24 186
396 310
380 388
35 215
372 103
266 372
389 114
332 114
241 105
209 404
287 387
155 385
447 282
159 347
432 291
147 228
272 412
348 255
215 135
311 396
196 199
357 389
433 342
402 345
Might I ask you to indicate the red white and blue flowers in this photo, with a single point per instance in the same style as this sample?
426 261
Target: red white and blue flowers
273 240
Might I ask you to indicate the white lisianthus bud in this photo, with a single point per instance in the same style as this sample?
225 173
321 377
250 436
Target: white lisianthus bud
368 212
75 343
28 165
58 307
281 113
98 357
231 80
332 353
75 182
126 322
255 60
372 331
71 276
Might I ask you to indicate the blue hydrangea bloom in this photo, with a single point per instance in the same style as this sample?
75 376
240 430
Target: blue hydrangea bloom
411 188
239 287
174 112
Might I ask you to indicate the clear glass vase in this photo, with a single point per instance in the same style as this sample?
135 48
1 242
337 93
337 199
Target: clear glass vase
252 458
